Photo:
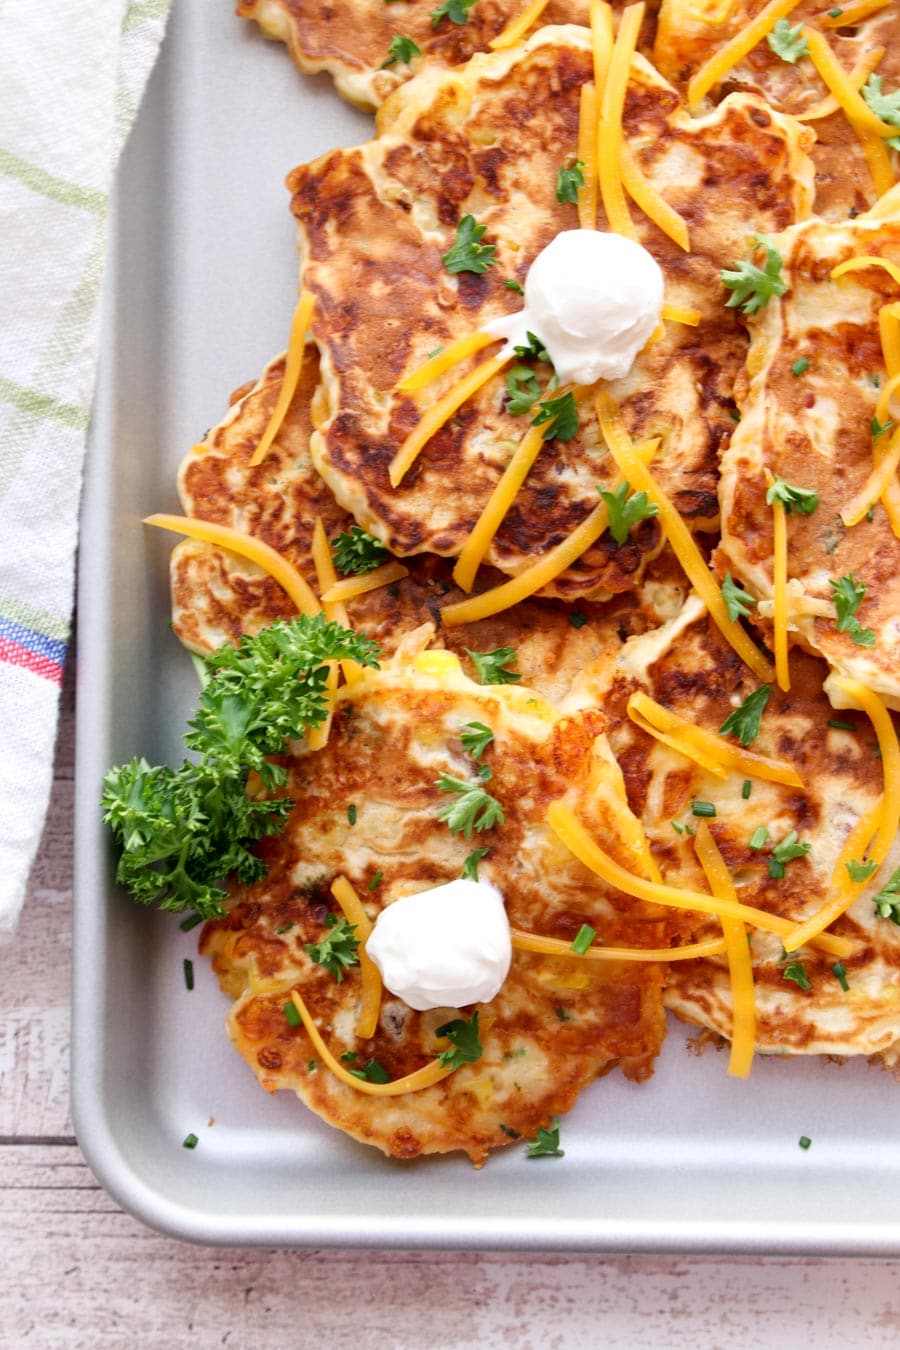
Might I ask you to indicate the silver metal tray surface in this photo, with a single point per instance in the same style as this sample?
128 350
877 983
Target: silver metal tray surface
203 282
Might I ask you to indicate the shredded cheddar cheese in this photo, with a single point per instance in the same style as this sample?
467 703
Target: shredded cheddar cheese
866 260
317 737
857 77
609 134
707 749
587 153
246 546
532 942
569 830
601 42
326 577
869 129
293 366
655 208
883 474
737 949
440 412
425 1077
518 27
713 71
681 314
444 360
541 573
370 1004
678 535
496 508
348 587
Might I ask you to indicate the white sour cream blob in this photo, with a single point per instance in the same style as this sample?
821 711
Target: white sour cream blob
445 947
593 299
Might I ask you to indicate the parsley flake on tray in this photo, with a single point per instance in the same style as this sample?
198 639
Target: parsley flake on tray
182 831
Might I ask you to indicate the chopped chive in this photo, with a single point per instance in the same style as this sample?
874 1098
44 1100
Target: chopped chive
190 1141
870 514
796 971
800 366
759 838
188 973
512 285
291 1015
839 971
285 928
677 827
562 1014
839 725
311 1065
746 789
376 880
776 869
804 1141
351 814
349 1057
437 351
393 590
706 809
190 922
583 939
577 619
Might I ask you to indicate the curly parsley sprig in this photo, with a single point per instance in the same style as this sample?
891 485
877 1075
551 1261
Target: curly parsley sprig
184 831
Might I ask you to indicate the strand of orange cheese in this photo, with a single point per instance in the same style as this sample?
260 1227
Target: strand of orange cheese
737 950
609 134
867 63
519 26
655 208
587 154
370 975
496 508
532 942
348 587
678 535
293 366
246 546
713 71
868 128
569 830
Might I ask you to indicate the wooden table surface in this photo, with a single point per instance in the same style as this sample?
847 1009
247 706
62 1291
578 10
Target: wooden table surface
77 1271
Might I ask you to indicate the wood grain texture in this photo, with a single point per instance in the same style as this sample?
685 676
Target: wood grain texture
80 1273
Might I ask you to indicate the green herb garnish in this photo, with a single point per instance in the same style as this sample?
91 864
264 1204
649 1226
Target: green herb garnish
291 1015
802 500
625 511
745 721
737 601
533 350
746 789
522 390
796 971
337 951
190 1141
376 880
861 871
786 851
879 429
465 1046
183 831
372 1072
568 181
787 42
402 50
473 809
885 106
470 866
491 666
457 11
583 939
759 838
848 595
476 738
545 1144
512 285
754 286
356 551
705 810
577 619
558 417
188 973
351 814
887 901
839 725
466 254
804 1141
800 366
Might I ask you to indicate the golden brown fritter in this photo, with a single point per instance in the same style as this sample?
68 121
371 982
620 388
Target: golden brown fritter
813 430
556 1023
689 669
487 140
688 34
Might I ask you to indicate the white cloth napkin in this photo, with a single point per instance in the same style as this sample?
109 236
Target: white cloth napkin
71 77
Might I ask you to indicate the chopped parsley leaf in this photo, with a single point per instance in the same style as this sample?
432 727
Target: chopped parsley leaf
285 928
466 254
583 939
545 1144
738 602
848 595
356 551
533 350
337 951
402 50
568 181
802 500
512 285
885 106
476 738
879 429
752 287
190 1141
861 871
372 1072
577 619
625 511
796 971
522 390
745 721
470 866
887 901
784 852
491 666
804 1141
465 1047
473 809
558 417
787 42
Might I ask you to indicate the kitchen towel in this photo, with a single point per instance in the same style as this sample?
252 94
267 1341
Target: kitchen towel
71 78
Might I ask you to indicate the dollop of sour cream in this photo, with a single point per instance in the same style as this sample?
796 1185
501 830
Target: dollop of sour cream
593 299
445 947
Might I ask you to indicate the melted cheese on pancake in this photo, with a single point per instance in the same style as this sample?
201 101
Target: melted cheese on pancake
487 140
556 1023
687 667
813 430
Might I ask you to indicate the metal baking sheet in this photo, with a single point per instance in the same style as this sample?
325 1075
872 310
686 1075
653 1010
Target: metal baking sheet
202 286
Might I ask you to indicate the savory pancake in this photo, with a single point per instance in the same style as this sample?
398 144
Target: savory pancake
688 34
555 1024
688 668
353 42
815 370
487 140
218 596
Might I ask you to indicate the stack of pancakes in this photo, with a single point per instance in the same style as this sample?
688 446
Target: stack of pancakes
465 130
